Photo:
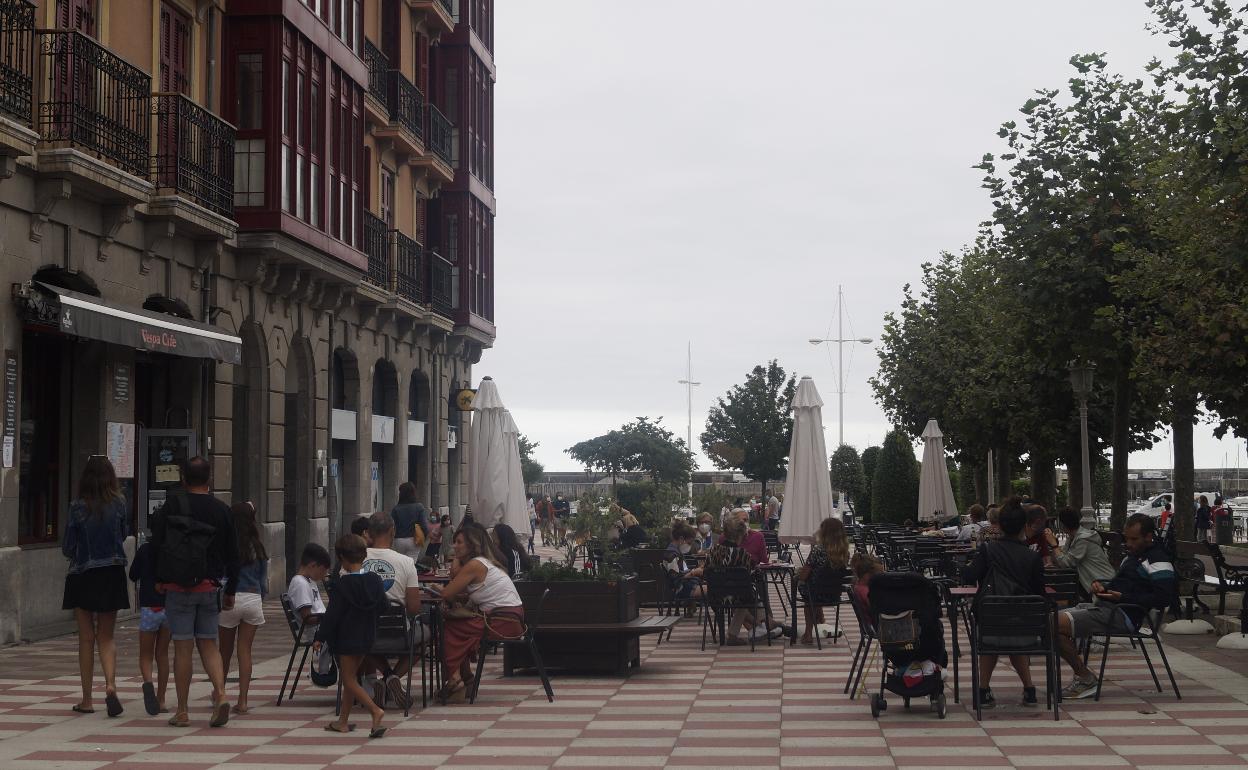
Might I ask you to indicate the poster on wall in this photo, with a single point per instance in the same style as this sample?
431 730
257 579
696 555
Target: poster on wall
120 448
375 490
8 432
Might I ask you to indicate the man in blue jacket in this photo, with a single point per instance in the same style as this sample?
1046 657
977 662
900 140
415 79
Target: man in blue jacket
1144 582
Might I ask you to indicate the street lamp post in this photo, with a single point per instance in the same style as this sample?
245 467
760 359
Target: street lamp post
689 386
1081 383
840 362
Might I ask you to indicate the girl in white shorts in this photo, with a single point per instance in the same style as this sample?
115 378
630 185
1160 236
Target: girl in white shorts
238 626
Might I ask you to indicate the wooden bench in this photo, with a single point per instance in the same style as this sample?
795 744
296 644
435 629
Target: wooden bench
1191 571
600 647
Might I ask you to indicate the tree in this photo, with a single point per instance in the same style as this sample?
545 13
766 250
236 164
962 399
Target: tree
870 458
639 446
845 471
749 428
895 485
530 469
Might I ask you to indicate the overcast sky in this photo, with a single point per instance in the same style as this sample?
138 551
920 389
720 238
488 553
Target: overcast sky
708 171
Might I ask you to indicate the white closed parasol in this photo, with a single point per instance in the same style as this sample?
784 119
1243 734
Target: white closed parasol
808 488
935 490
488 487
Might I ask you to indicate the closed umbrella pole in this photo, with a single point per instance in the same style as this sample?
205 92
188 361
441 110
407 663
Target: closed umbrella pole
487 456
935 489
515 513
808 488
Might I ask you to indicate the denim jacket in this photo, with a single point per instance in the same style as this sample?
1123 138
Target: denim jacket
253 578
94 540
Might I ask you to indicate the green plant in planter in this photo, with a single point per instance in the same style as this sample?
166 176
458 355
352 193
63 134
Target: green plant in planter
591 522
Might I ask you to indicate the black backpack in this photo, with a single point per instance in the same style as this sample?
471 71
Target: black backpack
183 544
998 581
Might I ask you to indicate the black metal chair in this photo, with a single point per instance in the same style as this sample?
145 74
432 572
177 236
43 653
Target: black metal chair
401 635
1016 625
528 640
826 587
1143 633
727 590
778 550
866 638
1064 586
297 631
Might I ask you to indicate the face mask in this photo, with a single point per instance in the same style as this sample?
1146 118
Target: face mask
685 548
704 529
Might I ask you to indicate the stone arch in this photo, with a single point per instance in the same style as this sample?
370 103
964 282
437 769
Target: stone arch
299 502
385 404
419 409
250 420
345 490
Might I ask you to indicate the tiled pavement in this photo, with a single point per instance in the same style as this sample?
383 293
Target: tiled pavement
776 707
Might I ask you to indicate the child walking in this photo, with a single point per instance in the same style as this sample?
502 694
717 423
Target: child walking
349 628
153 630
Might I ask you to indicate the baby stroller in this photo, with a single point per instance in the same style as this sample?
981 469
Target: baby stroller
905 607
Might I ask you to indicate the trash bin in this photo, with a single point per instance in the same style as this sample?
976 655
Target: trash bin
1224 529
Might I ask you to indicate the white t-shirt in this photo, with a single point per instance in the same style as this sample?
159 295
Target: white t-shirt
397 572
495 591
304 592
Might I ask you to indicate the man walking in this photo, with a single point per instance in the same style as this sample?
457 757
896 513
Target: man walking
195 543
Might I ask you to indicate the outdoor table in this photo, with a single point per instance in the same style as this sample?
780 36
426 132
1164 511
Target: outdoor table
430 577
775 572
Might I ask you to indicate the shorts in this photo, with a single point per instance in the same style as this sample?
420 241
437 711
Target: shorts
1088 619
248 608
193 615
152 619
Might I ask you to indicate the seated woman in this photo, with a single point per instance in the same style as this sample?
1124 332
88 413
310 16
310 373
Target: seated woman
684 582
491 594
705 537
729 553
826 565
631 532
515 560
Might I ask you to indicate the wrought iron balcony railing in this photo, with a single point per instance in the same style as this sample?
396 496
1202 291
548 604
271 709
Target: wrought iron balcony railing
194 153
377 247
406 104
440 281
95 100
378 65
440 135
17 59
408 275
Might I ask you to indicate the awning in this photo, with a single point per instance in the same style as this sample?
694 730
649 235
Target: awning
85 316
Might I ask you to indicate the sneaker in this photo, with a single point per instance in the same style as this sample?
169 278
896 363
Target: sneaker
776 632
1080 688
758 632
1029 697
378 687
986 701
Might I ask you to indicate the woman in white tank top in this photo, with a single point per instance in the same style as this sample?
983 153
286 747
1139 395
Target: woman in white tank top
489 591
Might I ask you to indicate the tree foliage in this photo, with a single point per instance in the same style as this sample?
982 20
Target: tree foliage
845 471
749 428
895 484
870 458
531 470
642 445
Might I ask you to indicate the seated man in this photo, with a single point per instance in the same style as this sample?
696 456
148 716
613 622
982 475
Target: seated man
399 579
967 534
992 526
684 582
1083 552
1012 558
1145 580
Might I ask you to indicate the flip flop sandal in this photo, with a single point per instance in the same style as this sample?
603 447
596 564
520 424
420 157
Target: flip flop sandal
377 732
179 720
239 710
112 704
150 704
220 714
332 727
80 710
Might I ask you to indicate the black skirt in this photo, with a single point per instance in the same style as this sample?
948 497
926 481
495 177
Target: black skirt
102 589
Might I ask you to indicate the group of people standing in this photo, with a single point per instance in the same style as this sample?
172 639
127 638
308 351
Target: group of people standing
550 517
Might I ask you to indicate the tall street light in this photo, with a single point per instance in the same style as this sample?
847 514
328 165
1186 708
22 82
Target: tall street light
1081 384
689 386
840 359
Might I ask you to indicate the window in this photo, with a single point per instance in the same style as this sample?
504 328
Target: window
249 172
175 50
40 484
249 92
387 197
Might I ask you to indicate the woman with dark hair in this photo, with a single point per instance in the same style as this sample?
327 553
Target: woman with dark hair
827 565
95 588
410 516
482 583
514 559
243 621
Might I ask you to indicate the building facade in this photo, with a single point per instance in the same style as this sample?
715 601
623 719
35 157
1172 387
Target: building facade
247 229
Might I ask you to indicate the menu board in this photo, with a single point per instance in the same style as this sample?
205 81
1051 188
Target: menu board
120 448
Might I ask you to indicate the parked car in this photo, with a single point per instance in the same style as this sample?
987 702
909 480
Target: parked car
1156 504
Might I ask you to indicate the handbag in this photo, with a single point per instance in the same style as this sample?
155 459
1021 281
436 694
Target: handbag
459 612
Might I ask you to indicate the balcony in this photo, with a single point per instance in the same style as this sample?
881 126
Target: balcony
376 101
408 275
194 153
17 59
377 247
94 101
440 132
440 13
440 143
441 274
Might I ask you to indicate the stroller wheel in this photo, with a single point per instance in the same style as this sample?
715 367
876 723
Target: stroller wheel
877 705
939 706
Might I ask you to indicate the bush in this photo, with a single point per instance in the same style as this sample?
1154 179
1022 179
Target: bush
652 504
895 486
870 458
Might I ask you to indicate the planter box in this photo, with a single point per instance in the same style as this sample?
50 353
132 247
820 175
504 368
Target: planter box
580 603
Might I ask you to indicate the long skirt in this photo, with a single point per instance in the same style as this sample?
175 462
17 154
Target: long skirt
461 637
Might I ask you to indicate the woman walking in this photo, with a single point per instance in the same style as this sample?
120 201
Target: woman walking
237 627
95 588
